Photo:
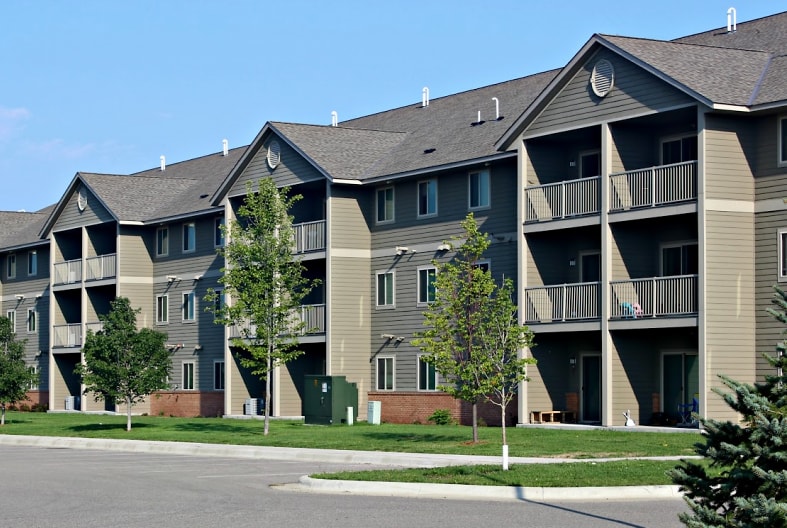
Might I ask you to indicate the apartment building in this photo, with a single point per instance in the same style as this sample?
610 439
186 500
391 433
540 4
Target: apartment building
635 195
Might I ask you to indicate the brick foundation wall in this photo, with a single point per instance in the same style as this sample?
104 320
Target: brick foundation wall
32 398
417 407
187 404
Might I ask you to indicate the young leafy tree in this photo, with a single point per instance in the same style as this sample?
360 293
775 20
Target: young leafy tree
123 364
747 481
15 376
472 336
264 281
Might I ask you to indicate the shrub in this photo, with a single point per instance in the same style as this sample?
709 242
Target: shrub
441 417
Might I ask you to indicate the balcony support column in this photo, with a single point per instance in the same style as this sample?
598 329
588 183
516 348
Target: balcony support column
702 323
521 246
607 349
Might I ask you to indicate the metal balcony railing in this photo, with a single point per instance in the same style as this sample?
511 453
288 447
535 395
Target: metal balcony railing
654 297
68 272
101 267
564 302
313 316
95 327
67 335
309 236
653 186
566 199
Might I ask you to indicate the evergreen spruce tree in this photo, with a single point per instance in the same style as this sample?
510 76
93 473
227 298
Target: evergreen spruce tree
746 484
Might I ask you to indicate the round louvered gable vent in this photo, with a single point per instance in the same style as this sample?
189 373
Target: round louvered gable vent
274 154
602 78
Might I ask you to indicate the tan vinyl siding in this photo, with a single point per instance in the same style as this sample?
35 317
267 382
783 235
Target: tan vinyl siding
292 169
71 216
730 307
135 272
635 91
729 158
549 255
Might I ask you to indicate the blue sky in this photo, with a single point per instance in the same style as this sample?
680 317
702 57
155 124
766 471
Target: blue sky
109 86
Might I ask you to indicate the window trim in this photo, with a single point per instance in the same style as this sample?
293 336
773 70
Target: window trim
189 301
183 376
418 300
218 302
11 316
192 227
32 321
32 263
377 205
392 303
216 377
420 361
377 373
10 268
165 311
162 241
218 232
427 214
677 244
480 206
781 262
484 262
675 137
35 385
781 148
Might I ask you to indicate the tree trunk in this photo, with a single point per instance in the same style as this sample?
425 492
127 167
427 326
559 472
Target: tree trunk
2 418
267 404
475 422
128 414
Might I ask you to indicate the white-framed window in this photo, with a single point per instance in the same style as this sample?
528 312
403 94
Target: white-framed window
385 205
483 265
11 316
162 241
590 164
32 262
218 232
678 149
10 267
218 302
426 288
479 189
427 375
162 309
385 374
679 258
427 198
189 307
385 289
218 375
782 133
34 385
189 237
188 375
32 321
782 241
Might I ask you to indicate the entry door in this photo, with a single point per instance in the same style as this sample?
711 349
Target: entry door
680 381
591 388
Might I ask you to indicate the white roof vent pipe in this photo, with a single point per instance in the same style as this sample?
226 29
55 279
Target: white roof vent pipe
425 97
334 118
732 20
497 108
225 147
163 162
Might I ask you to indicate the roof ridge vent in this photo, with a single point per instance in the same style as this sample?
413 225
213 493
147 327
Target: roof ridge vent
225 147
732 20
425 97
163 161
334 118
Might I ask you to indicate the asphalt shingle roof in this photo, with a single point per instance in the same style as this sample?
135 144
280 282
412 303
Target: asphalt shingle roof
763 34
21 228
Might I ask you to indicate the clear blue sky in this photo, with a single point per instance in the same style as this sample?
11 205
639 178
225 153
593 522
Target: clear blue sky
109 86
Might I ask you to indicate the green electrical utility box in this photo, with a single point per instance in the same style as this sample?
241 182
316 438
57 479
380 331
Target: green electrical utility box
326 398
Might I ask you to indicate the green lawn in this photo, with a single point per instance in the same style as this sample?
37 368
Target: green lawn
448 439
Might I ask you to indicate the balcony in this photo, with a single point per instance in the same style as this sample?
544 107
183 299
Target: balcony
95 327
654 297
102 267
68 272
309 236
566 199
312 315
653 186
68 335
564 302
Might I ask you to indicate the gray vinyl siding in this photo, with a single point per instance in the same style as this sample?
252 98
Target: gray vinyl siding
292 170
635 91
771 180
766 258
72 217
729 311
729 158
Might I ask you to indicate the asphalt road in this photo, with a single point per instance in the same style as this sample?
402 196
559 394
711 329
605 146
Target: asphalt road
49 487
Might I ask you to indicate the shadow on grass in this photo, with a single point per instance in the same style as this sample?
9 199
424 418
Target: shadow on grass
222 427
391 436
87 428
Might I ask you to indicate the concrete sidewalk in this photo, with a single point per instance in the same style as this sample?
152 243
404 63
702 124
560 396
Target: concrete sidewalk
376 458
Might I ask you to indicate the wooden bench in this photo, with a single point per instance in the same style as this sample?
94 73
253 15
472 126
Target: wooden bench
551 416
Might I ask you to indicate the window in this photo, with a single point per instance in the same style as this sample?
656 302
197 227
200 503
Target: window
188 306
426 289
11 316
677 150
483 265
32 262
427 198
162 309
385 205
783 141
218 375
10 266
589 164
218 303
479 189
34 383
427 376
782 255
385 373
679 259
218 232
32 321
162 241
385 288
188 375
189 237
